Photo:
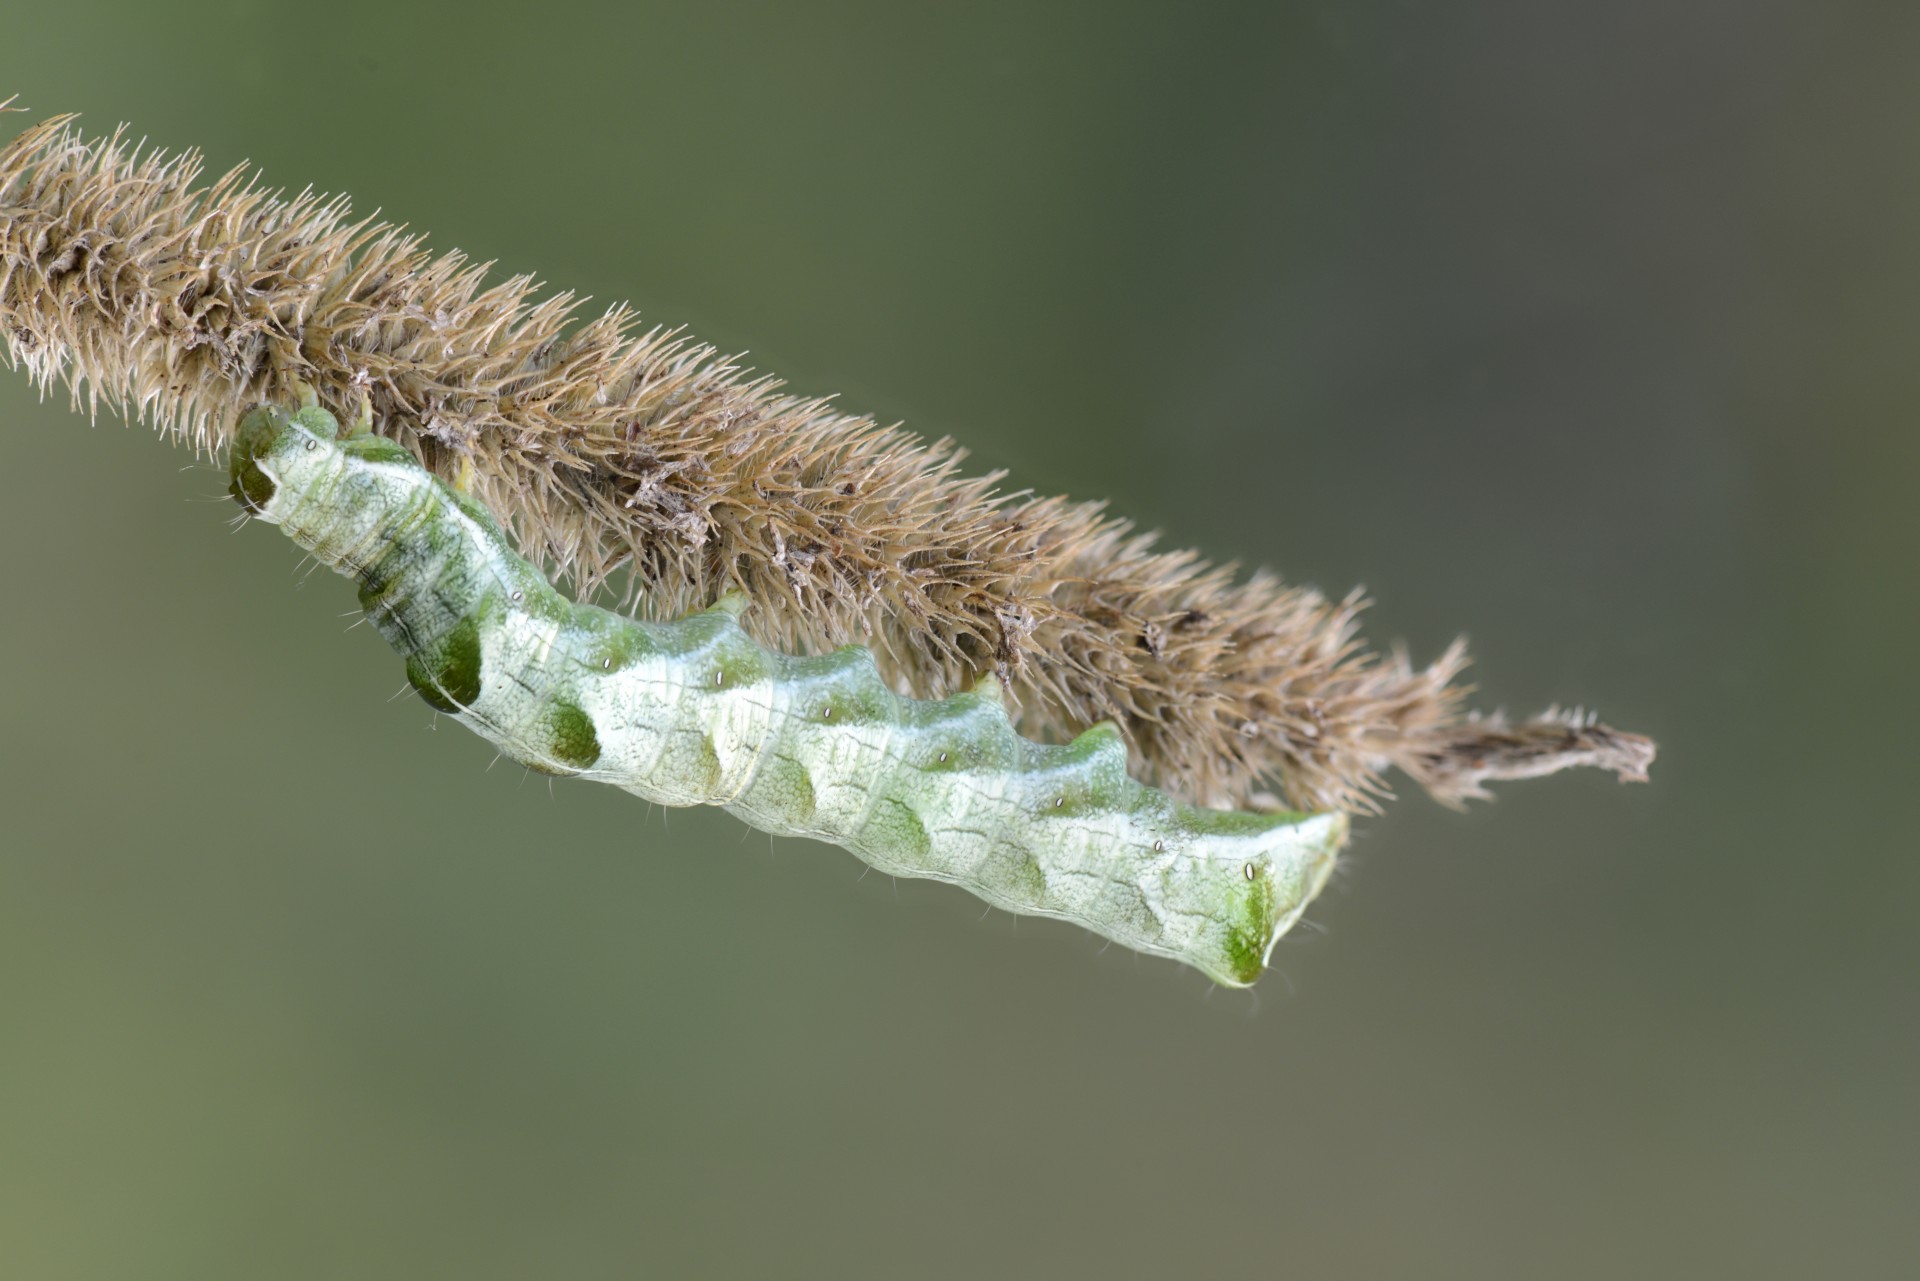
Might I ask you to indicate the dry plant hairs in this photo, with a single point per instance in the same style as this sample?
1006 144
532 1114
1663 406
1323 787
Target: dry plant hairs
608 448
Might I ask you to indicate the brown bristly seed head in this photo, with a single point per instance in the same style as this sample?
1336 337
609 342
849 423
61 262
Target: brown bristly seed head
610 448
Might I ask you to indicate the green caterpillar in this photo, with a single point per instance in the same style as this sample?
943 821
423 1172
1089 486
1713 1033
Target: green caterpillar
694 712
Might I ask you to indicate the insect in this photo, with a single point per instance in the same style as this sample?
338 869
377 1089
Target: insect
695 712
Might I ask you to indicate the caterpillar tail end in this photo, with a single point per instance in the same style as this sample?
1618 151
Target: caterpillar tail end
1281 887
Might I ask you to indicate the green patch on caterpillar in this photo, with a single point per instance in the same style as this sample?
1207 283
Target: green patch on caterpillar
695 712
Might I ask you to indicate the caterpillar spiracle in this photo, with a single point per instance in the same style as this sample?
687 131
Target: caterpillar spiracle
694 712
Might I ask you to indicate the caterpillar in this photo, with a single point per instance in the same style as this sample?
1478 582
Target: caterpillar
695 712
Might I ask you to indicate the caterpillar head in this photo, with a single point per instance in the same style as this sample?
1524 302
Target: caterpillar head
272 445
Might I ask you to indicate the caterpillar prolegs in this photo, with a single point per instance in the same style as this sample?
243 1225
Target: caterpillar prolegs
694 712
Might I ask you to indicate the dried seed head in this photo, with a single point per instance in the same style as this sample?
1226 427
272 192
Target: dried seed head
608 448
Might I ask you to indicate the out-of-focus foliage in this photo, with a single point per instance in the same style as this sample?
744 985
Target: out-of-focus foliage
1585 327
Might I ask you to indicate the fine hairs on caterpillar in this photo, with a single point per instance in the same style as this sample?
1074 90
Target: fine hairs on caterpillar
694 712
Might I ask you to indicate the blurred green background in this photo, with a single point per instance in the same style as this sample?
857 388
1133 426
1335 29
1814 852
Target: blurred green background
1588 329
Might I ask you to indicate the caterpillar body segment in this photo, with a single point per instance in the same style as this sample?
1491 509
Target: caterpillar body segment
695 712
